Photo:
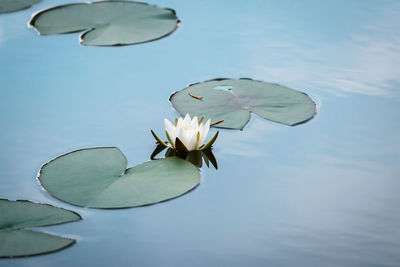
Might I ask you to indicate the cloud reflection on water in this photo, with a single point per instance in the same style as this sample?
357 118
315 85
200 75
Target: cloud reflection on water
363 61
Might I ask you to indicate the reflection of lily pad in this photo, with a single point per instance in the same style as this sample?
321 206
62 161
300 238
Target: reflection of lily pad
16 215
109 22
98 178
7 6
233 101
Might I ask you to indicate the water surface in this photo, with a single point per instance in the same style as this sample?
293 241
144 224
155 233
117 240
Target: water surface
324 193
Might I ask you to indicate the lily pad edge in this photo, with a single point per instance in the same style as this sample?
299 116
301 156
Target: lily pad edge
73 241
47 204
64 154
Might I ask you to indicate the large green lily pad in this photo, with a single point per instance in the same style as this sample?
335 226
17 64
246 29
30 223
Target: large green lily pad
16 215
98 178
7 6
233 100
107 22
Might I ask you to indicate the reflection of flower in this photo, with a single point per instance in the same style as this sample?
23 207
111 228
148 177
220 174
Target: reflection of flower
187 134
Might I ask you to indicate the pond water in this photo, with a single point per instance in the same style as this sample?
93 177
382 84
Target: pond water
324 193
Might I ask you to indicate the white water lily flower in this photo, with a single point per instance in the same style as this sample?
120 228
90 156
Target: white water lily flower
192 133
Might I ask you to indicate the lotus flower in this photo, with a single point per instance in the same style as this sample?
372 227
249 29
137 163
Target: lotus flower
186 134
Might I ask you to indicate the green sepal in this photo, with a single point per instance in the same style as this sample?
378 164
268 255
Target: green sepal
211 142
207 154
195 157
169 139
170 152
206 160
201 120
180 146
158 139
196 145
157 151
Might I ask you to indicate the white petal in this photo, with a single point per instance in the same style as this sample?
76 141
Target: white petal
187 137
169 127
204 133
187 120
208 122
192 142
194 123
180 123
181 136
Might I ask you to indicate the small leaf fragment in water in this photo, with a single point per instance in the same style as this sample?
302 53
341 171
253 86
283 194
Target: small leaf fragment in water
217 122
197 97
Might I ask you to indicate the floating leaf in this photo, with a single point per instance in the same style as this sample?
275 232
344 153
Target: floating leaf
16 215
98 178
108 22
7 6
231 101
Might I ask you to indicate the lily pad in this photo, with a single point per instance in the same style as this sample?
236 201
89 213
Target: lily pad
7 6
98 178
231 102
108 22
16 215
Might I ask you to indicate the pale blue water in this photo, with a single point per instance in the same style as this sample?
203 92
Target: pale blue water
325 193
